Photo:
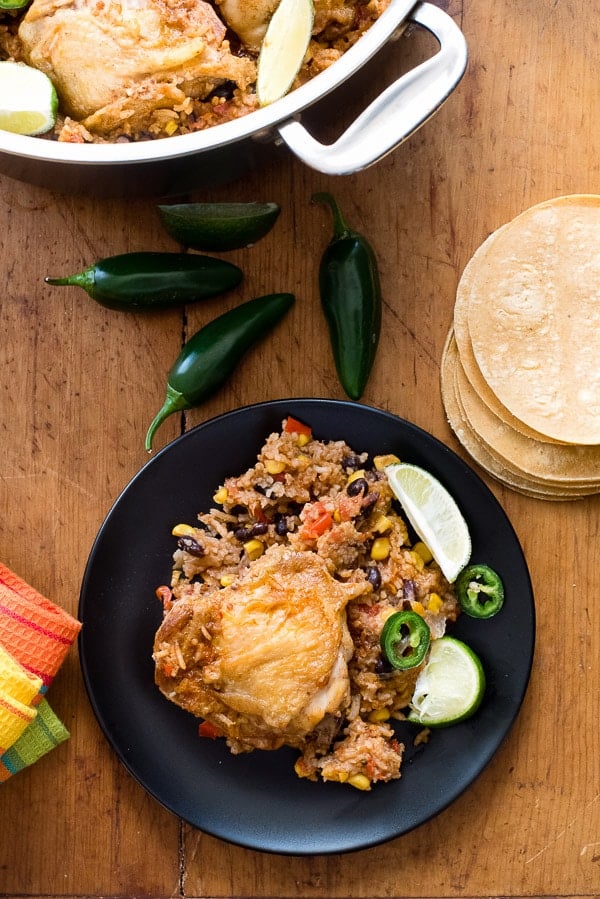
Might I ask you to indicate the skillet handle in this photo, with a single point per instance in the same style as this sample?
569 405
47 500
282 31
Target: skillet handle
397 112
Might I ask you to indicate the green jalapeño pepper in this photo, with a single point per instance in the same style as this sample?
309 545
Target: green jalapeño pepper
211 355
480 591
146 281
351 300
405 639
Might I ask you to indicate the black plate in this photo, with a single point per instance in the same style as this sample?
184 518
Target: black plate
256 800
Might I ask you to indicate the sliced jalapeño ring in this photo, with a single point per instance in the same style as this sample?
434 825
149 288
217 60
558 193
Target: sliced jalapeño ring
480 591
405 639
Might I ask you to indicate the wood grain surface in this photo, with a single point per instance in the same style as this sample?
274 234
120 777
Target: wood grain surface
80 383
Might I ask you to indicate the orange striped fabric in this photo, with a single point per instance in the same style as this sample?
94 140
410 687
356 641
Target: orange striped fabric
34 630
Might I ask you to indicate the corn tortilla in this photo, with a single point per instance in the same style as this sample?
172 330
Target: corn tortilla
551 462
533 317
467 356
472 443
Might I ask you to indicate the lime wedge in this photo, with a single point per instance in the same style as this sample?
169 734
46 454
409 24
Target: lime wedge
28 101
450 687
218 227
433 514
283 49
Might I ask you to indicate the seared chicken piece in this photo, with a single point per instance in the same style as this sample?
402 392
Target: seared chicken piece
264 660
115 61
249 18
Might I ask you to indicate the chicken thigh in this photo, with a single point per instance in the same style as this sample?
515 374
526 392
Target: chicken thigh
265 659
115 61
249 18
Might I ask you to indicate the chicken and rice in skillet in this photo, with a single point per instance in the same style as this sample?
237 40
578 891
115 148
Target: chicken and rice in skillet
141 69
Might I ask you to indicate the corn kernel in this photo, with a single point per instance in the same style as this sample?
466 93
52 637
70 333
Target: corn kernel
171 127
221 495
342 777
183 530
379 715
254 549
422 550
356 475
380 549
275 466
227 580
435 603
381 461
382 524
418 607
360 781
417 560
336 516
303 439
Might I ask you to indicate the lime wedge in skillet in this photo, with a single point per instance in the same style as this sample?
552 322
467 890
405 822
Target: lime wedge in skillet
283 49
433 514
450 687
28 101
218 227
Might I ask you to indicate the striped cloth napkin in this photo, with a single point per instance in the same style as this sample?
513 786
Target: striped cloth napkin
35 636
18 691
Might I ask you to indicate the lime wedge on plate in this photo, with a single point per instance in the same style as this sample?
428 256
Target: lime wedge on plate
450 687
433 514
283 48
28 101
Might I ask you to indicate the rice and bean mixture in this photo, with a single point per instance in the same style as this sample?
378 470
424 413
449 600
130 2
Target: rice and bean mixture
327 498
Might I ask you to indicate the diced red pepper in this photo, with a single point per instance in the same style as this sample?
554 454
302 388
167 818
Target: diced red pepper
293 426
318 520
208 730
165 595
259 513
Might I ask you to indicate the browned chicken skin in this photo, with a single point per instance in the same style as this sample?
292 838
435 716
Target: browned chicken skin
117 60
264 660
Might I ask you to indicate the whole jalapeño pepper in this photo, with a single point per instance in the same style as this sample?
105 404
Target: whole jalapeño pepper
212 353
351 300
146 281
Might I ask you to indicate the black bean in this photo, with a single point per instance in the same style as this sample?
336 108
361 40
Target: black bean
258 529
369 501
382 666
253 530
409 589
191 546
281 526
357 486
374 576
351 462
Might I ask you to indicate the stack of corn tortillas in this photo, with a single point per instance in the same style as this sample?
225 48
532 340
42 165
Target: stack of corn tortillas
520 372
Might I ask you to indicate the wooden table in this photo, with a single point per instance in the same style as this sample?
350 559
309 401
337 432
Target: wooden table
79 385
